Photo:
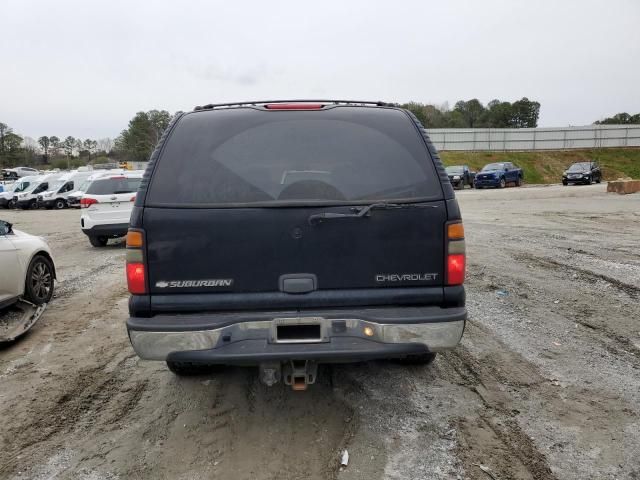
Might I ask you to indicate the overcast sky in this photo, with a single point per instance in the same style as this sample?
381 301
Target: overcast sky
83 68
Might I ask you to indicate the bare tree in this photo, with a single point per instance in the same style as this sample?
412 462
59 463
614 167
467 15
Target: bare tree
105 144
54 145
44 143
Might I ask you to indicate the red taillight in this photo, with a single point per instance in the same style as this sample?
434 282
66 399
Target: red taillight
455 253
136 271
136 278
87 202
133 199
294 106
455 269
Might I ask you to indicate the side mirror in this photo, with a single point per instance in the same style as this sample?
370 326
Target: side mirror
5 228
506 169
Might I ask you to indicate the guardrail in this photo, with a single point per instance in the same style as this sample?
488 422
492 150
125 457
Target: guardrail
504 139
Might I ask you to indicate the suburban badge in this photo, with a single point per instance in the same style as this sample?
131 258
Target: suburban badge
224 282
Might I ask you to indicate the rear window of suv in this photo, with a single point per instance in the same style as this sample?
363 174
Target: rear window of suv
247 156
113 186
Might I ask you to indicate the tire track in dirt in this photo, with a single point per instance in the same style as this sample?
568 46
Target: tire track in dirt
622 346
494 437
82 403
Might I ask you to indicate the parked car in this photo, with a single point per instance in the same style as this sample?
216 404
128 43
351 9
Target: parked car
73 199
28 198
498 175
106 206
17 172
8 197
27 281
9 174
280 249
582 172
460 175
58 192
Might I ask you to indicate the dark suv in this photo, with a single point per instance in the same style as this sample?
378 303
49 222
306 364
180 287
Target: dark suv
287 234
582 172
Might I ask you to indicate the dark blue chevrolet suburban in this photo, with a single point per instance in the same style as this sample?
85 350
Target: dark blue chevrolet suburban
285 234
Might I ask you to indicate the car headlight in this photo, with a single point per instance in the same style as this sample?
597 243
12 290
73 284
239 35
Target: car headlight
22 195
48 194
456 177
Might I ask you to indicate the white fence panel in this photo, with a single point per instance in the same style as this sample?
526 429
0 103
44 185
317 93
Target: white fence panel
497 139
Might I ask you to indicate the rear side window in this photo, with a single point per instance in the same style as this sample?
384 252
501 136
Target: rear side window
113 186
248 156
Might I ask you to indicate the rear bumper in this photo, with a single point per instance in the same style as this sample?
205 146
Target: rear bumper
108 230
231 339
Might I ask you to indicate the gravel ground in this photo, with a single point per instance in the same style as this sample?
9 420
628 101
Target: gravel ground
545 385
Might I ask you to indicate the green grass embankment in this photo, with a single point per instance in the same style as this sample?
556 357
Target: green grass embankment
547 166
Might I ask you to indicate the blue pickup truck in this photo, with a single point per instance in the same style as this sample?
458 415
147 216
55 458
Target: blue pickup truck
497 175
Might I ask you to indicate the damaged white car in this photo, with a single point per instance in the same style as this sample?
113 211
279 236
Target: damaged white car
27 276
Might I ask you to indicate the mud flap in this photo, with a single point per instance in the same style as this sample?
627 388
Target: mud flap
18 318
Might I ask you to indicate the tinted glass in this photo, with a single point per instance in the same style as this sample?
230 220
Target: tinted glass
22 187
113 186
579 167
250 156
494 166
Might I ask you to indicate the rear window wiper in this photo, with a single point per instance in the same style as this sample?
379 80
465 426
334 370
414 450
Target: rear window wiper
363 212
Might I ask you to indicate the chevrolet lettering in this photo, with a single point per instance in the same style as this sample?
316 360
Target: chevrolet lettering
406 277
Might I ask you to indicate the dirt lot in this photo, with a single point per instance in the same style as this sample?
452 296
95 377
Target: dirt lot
546 383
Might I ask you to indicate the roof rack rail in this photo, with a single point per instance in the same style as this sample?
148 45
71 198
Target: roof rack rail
211 106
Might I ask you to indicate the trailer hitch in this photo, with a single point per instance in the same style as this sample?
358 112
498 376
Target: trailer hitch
300 373
296 373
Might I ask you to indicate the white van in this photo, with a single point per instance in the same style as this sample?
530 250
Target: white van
29 197
20 185
59 190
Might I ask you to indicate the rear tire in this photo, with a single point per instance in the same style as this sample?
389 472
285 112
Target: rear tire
422 359
519 182
38 286
33 205
11 204
503 183
188 369
598 180
565 183
60 204
98 241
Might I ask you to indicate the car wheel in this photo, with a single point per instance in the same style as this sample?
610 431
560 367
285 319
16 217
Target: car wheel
98 241
422 359
60 204
519 182
503 183
188 369
39 283
11 204
33 205
598 180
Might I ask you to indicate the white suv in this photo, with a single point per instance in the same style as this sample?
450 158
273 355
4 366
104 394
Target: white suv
106 206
